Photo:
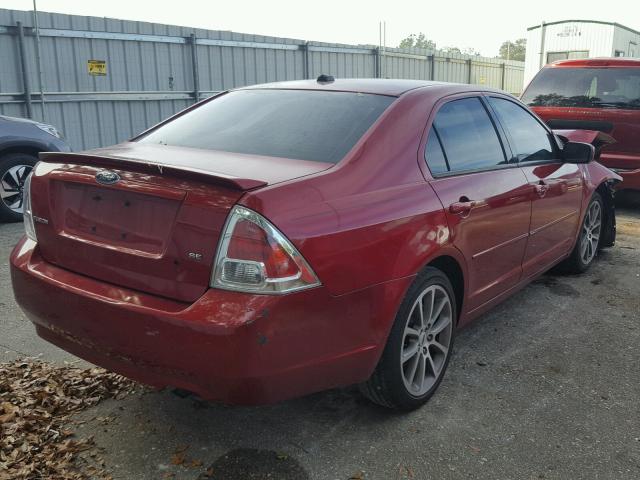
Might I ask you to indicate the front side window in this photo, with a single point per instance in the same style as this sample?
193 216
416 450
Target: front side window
298 124
617 87
469 138
530 141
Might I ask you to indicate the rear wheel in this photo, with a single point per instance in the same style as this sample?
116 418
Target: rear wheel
14 169
419 345
588 244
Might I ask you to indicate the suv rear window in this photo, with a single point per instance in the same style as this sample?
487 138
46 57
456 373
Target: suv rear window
298 124
585 87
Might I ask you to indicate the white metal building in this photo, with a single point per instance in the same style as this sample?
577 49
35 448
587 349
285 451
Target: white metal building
553 41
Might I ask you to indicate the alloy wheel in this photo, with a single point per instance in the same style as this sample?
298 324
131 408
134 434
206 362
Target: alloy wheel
11 186
427 339
590 234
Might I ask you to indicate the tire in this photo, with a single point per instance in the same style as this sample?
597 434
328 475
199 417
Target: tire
14 169
589 238
396 381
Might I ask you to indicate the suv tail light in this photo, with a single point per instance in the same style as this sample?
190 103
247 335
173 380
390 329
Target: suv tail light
29 227
253 256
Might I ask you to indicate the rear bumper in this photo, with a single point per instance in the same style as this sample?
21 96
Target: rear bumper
630 173
226 346
630 179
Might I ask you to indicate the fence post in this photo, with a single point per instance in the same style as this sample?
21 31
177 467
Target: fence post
36 29
504 71
306 70
25 72
470 66
194 66
432 58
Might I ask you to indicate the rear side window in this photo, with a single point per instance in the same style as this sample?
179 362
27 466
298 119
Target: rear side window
298 124
585 87
530 141
434 155
468 136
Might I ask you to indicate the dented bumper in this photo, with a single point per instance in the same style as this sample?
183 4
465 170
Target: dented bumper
226 346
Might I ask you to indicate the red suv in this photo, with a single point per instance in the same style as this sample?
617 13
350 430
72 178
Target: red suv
595 94
282 239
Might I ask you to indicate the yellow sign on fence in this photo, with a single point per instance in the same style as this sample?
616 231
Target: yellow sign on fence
97 67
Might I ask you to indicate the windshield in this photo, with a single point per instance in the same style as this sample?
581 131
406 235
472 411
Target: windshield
585 87
298 124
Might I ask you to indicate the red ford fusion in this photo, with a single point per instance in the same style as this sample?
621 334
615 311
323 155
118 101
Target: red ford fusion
596 94
282 239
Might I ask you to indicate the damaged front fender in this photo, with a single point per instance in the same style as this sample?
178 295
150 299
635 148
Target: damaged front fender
602 180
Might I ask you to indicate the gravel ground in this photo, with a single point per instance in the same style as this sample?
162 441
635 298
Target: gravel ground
547 385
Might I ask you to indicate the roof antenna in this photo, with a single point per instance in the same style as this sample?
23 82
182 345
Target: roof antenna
326 79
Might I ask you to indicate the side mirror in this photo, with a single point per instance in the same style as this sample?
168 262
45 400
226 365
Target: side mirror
578 152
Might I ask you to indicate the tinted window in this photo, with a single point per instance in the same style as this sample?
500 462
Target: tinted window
434 155
530 141
305 125
468 136
585 87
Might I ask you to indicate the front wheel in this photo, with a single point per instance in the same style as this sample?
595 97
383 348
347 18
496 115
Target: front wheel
419 345
14 170
588 243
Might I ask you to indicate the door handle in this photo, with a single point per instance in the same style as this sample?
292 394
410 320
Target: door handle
541 188
462 208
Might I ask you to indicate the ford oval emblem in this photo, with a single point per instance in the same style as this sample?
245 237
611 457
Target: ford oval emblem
107 177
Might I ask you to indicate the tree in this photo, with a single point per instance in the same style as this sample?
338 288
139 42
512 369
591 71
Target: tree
417 41
470 51
514 50
421 41
451 50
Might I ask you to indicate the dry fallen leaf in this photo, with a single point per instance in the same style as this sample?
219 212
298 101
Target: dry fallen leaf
36 400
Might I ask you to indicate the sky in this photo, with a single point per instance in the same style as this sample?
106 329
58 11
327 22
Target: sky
481 25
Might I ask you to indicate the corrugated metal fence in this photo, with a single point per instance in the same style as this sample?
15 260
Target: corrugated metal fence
154 70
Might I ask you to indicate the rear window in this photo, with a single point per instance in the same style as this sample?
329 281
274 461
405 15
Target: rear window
434 155
468 136
305 125
585 87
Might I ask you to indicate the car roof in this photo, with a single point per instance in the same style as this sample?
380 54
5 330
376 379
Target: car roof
379 86
597 62
16 119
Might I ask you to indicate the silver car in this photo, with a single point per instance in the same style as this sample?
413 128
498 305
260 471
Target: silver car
21 141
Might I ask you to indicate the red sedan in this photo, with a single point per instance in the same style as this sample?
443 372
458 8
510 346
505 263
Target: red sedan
283 239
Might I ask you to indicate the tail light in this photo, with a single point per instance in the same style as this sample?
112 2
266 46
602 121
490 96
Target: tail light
253 256
29 227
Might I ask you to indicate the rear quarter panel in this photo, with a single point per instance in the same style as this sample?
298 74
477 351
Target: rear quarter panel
371 219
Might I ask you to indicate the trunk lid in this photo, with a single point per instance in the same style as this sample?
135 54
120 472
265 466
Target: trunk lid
156 227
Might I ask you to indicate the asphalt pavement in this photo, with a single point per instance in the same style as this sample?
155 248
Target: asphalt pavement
545 386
